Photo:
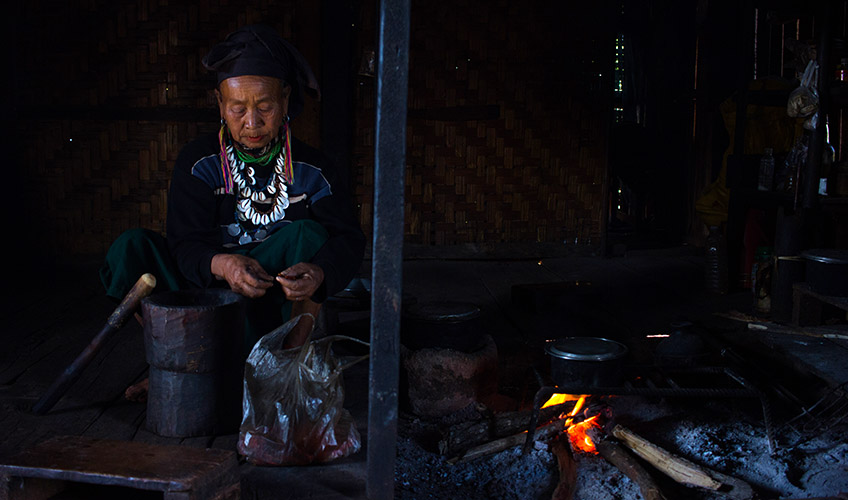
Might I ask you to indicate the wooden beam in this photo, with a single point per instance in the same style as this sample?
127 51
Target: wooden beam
387 249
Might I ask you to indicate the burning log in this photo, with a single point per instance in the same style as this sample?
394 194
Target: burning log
627 464
502 444
459 438
565 424
680 469
567 469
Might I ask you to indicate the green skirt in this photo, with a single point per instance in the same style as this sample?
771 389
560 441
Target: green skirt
139 251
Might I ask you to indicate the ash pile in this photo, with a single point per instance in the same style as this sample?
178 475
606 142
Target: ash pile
723 427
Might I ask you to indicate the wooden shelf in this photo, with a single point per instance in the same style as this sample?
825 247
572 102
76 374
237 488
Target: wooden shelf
807 305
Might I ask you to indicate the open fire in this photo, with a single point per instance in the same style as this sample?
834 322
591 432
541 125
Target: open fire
592 430
602 442
577 431
727 446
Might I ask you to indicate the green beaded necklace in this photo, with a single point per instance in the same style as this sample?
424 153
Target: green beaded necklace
264 159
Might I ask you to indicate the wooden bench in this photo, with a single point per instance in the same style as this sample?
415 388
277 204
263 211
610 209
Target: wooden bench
807 305
54 468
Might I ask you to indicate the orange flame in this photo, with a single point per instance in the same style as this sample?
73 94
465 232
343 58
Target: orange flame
579 438
576 432
558 399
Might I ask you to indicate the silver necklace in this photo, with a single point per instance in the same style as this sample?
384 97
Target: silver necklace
264 205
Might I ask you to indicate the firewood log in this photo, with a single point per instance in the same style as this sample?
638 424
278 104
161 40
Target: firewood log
627 464
680 469
461 437
566 486
502 444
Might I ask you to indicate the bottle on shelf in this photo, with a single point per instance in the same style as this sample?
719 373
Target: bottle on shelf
787 178
766 177
828 159
716 268
762 277
841 70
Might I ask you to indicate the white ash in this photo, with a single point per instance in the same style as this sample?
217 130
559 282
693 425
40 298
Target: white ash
597 479
509 474
720 437
731 439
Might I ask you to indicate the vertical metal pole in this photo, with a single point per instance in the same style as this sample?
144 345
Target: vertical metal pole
387 258
809 185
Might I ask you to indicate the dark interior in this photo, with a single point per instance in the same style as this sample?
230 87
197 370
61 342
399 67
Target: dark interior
572 169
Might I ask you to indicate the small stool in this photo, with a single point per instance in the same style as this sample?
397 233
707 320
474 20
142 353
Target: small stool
179 472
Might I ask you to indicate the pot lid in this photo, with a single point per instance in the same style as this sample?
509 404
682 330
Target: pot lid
827 255
586 349
442 311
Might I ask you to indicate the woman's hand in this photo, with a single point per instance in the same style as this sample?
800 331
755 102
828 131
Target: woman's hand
300 281
244 275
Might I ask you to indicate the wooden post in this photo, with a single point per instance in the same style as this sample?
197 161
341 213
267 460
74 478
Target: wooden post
387 256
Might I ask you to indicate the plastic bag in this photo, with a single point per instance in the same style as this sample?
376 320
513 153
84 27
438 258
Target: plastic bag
292 411
804 101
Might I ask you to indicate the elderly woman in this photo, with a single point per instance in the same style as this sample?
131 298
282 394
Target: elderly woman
251 207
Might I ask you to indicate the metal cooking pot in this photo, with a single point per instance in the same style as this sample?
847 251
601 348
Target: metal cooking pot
586 362
681 349
827 271
442 325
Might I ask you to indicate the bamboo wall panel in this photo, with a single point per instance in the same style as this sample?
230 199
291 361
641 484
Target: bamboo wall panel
535 171
506 136
119 89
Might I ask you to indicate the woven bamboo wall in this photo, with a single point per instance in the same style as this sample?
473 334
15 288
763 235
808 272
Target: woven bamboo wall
117 89
506 136
532 172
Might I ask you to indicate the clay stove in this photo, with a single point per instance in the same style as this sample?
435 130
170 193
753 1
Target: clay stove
448 360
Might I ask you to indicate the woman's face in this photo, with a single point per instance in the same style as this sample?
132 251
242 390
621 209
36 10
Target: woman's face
254 108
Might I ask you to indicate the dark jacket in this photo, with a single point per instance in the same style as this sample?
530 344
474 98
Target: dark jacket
199 211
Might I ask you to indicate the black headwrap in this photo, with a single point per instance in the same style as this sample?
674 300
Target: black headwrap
259 50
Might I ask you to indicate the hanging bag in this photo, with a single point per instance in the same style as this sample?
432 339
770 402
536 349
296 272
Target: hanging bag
804 101
292 411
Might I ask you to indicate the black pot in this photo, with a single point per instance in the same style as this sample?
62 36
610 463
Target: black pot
681 349
827 271
442 325
586 362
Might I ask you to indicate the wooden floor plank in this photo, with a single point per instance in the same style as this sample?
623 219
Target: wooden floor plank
22 429
114 368
38 335
121 420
